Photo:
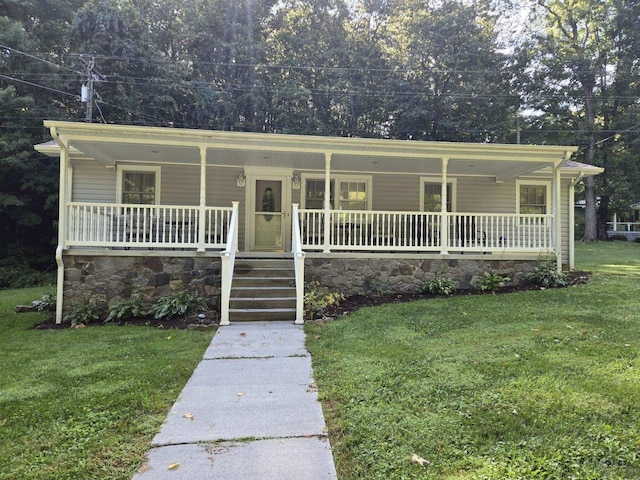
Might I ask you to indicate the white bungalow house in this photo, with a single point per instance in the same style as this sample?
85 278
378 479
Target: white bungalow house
157 209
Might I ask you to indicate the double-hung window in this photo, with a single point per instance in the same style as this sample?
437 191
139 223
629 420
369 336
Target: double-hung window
533 198
431 195
139 185
353 193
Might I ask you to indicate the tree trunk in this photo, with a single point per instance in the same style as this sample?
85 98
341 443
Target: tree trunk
590 220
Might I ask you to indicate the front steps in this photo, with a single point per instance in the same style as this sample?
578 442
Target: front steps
263 288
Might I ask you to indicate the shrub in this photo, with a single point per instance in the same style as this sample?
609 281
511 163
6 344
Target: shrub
128 308
619 238
87 312
637 240
546 274
438 284
317 298
491 282
46 303
177 304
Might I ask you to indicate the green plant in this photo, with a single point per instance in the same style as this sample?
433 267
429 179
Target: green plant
87 312
546 274
317 298
438 284
127 308
46 303
491 282
178 303
618 238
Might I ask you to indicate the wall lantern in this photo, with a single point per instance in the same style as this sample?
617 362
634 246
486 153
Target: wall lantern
296 182
241 181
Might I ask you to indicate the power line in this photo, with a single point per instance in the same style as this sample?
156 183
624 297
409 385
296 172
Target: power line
13 79
11 49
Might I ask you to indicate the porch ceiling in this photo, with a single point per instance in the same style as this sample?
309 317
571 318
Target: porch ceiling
109 144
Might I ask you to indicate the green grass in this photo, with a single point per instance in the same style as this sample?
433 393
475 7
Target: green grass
84 403
537 384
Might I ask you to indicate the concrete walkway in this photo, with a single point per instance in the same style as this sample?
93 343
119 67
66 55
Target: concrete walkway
249 411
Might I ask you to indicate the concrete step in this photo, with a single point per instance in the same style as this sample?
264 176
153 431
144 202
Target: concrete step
262 292
263 288
261 314
262 303
241 282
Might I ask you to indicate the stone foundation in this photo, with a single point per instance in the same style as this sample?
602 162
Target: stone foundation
110 279
401 275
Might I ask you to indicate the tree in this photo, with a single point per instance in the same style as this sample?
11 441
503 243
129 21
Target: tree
577 72
451 83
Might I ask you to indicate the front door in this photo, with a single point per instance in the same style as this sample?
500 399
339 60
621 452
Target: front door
269 214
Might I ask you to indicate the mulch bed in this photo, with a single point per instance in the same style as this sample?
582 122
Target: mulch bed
348 305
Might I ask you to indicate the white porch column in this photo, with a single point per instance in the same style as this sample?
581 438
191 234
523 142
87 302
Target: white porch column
444 220
62 222
327 203
572 223
202 218
557 216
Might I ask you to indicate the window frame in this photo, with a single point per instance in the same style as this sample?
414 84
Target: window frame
534 183
121 169
336 179
438 180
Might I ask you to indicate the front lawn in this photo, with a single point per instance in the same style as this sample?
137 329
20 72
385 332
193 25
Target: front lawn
536 384
85 403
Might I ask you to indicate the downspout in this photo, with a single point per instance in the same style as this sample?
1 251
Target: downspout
557 216
444 220
327 203
202 218
572 219
62 222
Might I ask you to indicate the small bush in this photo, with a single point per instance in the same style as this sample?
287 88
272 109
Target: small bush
317 298
637 240
128 308
88 312
177 304
491 282
439 285
46 303
618 238
546 274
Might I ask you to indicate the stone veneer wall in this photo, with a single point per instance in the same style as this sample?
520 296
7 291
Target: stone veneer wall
112 278
401 275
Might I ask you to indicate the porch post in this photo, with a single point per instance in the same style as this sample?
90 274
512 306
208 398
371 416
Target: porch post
572 222
62 222
203 200
557 214
327 203
444 220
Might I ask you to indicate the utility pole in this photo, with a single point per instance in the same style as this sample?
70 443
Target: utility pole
88 95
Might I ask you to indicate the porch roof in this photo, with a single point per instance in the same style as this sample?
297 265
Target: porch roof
109 144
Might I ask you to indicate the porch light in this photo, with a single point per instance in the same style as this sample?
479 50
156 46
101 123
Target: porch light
296 182
241 181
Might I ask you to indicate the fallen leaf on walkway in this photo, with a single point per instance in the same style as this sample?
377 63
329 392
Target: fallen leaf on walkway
190 416
241 394
312 387
173 466
422 461
144 468
242 334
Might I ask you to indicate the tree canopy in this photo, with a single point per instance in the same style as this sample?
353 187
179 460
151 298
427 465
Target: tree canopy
558 71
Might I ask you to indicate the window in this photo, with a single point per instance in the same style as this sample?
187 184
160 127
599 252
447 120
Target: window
354 193
431 195
139 185
314 193
353 196
532 198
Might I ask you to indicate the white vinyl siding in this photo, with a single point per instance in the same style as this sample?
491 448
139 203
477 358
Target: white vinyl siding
93 182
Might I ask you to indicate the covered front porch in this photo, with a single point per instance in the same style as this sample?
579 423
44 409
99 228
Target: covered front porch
217 194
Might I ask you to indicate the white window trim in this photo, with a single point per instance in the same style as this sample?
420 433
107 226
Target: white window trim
534 183
137 168
336 179
438 180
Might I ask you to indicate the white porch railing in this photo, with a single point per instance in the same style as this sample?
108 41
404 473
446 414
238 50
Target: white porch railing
382 231
228 259
298 259
623 226
168 226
